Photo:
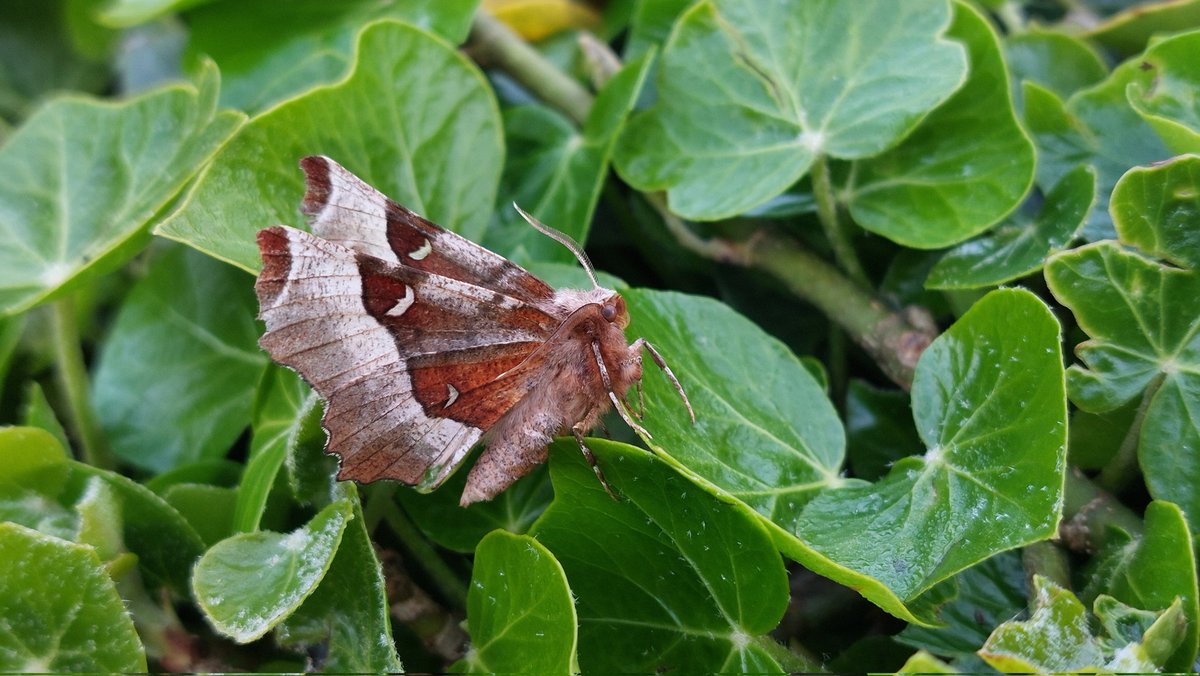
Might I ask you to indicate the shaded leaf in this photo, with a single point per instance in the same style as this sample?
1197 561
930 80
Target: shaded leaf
248 583
879 429
1164 90
555 172
348 613
668 577
284 402
1061 63
751 93
1129 31
81 179
61 611
414 118
1020 245
519 599
183 349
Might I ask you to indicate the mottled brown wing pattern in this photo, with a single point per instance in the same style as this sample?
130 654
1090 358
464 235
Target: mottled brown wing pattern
344 209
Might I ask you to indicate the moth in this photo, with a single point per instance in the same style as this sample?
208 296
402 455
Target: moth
423 343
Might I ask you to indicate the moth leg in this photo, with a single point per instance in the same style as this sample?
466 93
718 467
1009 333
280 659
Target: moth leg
641 343
613 395
577 430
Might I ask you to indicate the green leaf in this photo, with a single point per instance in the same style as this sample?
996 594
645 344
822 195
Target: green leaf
1061 63
650 25
1020 245
1155 569
284 402
520 612
879 429
61 611
1057 637
555 172
81 179
1095 126
1129 31
125 13
183 349
37 412
39 56
440 517
1164 91
310 41
990 480
414 118
668 577
773 440
1143 319
981 597
966 166
250 582
208 508
751 93
348 612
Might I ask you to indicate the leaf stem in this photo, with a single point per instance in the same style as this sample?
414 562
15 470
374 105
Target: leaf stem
1090 513
1047 559
832 223
71 374
451 586
492 44
1117 473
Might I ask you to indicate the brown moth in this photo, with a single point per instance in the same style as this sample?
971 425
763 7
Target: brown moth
423 343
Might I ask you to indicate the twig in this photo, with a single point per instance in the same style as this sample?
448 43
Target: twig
492 44
452 588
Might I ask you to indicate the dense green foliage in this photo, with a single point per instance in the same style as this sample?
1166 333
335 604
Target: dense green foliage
978 223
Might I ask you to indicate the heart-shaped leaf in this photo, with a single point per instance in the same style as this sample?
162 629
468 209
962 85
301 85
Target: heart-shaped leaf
556 172
966 166
1164 91
183 349
250 582
61 611
519 598
668 577
414 118
1143 317
751 93
81 179
1019 246
1059 62
310 41
348 613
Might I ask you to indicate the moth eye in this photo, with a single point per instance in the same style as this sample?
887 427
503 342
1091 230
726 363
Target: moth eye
609 312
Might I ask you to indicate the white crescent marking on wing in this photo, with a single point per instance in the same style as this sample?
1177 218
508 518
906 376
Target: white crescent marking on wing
453 395
403 304
422 251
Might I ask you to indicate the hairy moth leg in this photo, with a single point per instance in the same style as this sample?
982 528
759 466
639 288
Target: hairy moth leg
577 430
641 343
613 395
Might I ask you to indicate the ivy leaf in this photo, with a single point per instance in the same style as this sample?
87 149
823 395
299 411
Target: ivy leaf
879 429
668 577
1057 637
772 441
751 93
966 166
183 349
1164 91
348 613
126 13
1096 126
310 41
989 481
248 583
1129 31
1019 246
424 112
555 172
1061 63
81 179
61 610
1154 570
1143 318
519 598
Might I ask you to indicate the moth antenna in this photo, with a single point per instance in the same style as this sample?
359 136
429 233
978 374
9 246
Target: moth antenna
563 239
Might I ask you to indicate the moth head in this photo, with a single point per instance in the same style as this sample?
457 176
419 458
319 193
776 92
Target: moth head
613 311
562 239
